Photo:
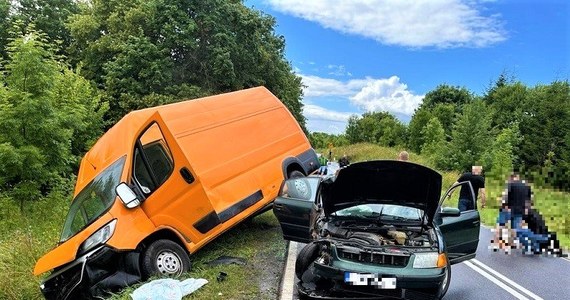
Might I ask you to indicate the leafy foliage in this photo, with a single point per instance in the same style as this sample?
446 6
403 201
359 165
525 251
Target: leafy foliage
48 117
434 137
376 127
180 49
321 140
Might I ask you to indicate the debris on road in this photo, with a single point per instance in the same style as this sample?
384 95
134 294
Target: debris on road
227 260
167 289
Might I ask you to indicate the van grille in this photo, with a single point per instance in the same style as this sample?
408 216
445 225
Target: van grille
378 258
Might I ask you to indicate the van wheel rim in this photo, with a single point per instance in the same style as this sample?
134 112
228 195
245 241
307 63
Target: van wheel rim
169 263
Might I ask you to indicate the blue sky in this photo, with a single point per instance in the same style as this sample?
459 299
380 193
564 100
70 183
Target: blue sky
385 55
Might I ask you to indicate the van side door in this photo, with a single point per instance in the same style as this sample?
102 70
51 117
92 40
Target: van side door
172 192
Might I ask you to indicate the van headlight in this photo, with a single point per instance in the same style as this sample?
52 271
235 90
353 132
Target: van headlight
429 260
99 237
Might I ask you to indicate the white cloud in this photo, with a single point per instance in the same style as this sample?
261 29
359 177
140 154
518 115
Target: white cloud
318 86
320 113
367 94
410 23
338 70
387 95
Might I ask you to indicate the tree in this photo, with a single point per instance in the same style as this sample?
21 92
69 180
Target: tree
500 157
418 122
48 115
508 102
434 137
470 138
48 16
132 49
321 140
5 24
376 127
445 113
545 127
446 94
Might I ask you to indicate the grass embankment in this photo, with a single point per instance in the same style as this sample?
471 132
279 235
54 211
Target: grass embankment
25 237
553 205
260 242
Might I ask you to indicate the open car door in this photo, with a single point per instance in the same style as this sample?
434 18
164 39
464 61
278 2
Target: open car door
294 206
460 229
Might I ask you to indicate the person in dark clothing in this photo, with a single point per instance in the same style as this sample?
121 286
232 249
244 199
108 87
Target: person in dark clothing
478 183
343 161
517 218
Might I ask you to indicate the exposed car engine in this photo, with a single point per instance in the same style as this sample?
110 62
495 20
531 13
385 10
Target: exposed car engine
373 235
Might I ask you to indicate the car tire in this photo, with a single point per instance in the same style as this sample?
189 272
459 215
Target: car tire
446 281
295 174
305 258
164 258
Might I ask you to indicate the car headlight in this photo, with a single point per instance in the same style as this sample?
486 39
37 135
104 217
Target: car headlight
99 237
430 260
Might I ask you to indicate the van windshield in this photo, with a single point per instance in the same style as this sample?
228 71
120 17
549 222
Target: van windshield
93 200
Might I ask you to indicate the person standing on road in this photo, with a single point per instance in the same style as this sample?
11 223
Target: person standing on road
403 156
478 184
343 161
323 162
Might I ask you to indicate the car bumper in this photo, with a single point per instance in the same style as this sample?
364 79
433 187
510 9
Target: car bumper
93 274
424 285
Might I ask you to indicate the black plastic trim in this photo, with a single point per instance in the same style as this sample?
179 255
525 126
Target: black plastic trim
242 205
208 222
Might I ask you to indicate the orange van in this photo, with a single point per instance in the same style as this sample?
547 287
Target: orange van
165 181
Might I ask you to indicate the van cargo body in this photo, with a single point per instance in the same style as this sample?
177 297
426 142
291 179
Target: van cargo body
190 170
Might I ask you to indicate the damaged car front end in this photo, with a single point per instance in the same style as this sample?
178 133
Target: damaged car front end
372 232
93 274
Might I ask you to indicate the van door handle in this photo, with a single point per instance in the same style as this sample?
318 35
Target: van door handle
278 206
188 177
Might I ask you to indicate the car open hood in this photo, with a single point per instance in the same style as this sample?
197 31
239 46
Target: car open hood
383 182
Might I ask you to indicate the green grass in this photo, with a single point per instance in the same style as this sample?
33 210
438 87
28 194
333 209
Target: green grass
25 237
259 242
553 205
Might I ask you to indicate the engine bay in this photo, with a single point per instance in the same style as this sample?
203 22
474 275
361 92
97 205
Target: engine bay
372 235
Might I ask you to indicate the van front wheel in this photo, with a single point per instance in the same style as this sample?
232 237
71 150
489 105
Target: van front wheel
164 258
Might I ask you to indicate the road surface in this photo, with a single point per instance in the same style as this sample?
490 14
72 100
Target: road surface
492 275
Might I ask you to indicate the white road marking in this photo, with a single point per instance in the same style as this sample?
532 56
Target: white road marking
496 281
505 279
288 283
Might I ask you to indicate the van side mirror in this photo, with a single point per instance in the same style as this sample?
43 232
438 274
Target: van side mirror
450 212
127 195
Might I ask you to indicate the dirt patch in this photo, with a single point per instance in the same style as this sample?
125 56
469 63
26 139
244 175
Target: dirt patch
269 264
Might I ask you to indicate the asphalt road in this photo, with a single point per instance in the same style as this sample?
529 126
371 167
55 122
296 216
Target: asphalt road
496 275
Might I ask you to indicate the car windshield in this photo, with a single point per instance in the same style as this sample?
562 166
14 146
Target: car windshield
93 200
383 211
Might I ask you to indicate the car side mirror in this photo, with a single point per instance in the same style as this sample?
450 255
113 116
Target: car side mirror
127 195
450 212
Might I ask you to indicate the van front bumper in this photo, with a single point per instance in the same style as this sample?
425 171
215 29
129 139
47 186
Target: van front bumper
93 274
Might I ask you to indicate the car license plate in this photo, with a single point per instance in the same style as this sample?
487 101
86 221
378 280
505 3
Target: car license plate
370 279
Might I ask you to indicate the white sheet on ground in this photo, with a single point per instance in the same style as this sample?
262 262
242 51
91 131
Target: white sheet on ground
167 289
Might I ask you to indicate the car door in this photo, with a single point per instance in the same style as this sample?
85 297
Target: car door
460 230
174 195
295 205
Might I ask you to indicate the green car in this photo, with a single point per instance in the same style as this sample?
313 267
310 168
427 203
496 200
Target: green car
378 230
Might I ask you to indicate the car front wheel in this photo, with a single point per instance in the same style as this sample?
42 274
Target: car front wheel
305 258
164 258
